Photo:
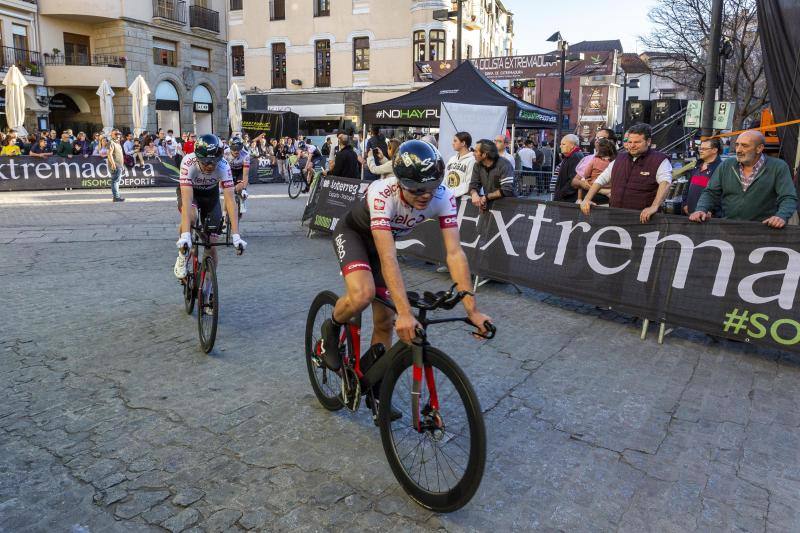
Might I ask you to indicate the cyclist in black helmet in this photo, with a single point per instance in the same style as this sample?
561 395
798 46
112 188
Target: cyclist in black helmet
238 157
364 244
202 173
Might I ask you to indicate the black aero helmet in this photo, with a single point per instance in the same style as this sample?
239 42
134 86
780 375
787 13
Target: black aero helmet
417 164
208 149
236 144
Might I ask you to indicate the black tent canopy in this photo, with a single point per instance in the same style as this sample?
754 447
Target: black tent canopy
464 85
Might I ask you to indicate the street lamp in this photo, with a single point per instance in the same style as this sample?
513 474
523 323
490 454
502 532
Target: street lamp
562 47
444 15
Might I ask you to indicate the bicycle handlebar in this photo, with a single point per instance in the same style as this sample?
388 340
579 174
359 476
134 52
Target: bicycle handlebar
441 300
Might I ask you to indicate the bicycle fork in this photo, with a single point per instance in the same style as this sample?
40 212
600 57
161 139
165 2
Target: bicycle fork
420 368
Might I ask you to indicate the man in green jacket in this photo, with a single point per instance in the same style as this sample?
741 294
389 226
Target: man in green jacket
64 148
751 187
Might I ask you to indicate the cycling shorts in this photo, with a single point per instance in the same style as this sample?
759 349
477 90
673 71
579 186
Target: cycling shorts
238 174
357 252
207 201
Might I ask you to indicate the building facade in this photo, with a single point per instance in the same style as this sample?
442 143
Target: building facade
19 43
179 49
324 59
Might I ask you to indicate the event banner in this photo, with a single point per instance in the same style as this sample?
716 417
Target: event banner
333 199
726 278
263 171
273 124
521 67
26 173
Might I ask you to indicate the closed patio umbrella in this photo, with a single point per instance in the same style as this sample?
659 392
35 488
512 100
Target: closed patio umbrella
235 109
15 84
139 97
106 106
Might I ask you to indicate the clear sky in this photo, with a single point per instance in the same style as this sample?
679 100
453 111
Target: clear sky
578 20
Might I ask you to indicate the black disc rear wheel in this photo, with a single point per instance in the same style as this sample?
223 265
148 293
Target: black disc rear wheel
441 465
207 305
327 384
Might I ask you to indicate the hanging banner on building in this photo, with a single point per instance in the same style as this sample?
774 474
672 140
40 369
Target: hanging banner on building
526 67
27 173
273 124
726 278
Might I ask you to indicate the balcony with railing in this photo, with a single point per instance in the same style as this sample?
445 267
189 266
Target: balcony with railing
27 61
88 11
204 18
84 70
173 11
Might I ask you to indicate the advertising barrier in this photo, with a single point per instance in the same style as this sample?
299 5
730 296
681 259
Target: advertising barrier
726 278
333 198
27 173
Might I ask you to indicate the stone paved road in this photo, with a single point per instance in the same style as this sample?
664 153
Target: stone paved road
111 419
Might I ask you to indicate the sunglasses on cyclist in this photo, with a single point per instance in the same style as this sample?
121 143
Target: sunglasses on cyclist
418 192
206 161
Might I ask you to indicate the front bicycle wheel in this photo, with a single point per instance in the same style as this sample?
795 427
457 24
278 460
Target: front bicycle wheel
207 305
440 464
295 186
326 383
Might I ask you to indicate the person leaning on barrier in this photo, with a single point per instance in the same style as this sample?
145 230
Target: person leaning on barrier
604 133
10 148
458 171
41 148
751 187
640 177
708 161
383 166
491 174
571 155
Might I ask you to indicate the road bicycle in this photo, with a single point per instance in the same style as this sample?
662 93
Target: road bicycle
200 284
297 182
437 447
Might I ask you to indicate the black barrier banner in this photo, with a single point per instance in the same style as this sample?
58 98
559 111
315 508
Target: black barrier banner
262 170
335 198
727 278
27 173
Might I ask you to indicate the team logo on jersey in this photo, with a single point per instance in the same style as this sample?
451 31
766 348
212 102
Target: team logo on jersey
453 180
378 204
453 201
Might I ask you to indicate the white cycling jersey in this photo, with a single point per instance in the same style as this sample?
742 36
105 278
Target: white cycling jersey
193 176
385 209
239 162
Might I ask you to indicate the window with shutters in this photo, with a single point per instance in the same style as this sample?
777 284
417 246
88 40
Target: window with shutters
277 9
322 8
322 66
201 59
165 53
278 66
237 61
361 53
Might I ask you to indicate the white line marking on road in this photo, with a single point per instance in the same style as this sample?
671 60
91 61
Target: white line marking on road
26 201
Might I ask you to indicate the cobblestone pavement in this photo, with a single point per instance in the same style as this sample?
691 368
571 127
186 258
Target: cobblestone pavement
111 419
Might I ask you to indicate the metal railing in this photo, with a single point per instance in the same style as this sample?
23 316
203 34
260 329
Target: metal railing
236 5
27 61
534 184
85 60
202 17
171 10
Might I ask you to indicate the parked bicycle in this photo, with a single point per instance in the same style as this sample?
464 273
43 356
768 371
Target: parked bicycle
436 447
200 284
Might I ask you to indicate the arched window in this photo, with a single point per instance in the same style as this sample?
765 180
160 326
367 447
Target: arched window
202 95
166 91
